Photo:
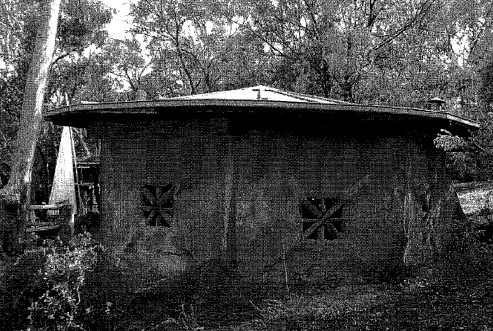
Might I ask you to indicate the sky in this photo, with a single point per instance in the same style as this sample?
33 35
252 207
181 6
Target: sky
120 23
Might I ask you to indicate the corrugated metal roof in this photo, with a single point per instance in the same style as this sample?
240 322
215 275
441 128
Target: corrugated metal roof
260 100
260 92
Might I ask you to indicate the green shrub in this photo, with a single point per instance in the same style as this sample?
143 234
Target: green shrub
105 297
465 260
62 278
24 283
45 285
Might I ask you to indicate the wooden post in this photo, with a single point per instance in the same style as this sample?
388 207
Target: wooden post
65 230
9 214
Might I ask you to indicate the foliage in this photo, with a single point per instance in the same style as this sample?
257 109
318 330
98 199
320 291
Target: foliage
14 14
369 51
75 290
105 297
46 284
126 65
76 66
342 48
194 46
486 88
63 275
471 158
81 26
461 162
449 143
77 79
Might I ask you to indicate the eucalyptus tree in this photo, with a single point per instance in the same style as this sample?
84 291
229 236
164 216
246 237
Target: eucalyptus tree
14 196
81 26
81 36
13 15
382 51
22 88
328 45
195 47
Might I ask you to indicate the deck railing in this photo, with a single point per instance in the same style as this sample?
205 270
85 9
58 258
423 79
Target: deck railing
52 219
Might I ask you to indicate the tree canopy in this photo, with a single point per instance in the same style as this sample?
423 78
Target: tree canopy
80 33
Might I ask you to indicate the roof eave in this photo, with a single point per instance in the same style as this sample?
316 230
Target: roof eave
68 115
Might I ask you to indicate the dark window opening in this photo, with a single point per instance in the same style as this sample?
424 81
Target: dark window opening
321 218
157 204
306 225
339 224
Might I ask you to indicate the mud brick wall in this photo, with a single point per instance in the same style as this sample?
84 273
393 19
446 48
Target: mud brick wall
237 195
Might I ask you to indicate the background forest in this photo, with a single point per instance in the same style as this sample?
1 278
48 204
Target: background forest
399 53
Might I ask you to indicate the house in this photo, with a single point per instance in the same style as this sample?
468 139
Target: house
278 186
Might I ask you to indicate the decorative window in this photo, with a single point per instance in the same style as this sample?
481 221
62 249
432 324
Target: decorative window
321 218
157 204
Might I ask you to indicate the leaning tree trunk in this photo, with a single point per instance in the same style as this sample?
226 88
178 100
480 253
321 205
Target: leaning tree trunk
14 197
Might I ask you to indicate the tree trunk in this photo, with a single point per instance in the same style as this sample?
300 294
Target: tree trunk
14 197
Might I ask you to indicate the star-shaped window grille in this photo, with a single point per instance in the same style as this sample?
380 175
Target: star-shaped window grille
157 204
322 218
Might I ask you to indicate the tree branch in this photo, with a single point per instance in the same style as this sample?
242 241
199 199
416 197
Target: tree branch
59 58
423 11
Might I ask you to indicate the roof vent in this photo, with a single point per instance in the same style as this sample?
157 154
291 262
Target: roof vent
258 90
435 104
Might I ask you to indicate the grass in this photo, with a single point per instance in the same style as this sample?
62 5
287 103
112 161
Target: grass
431 301
415 304
467 306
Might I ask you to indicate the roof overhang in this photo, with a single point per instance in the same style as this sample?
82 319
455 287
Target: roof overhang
84 115
259 101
